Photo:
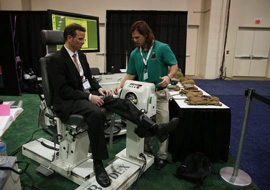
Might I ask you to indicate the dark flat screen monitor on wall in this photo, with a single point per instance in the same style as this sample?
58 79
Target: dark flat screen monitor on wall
59 20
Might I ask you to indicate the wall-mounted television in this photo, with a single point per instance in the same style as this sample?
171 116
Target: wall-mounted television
59 20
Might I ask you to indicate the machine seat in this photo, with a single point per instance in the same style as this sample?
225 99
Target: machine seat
79 122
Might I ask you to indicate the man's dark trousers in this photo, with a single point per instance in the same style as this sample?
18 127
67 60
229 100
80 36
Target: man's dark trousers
95 119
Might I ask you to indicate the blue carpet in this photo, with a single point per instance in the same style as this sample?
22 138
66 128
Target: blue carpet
233 87
256 153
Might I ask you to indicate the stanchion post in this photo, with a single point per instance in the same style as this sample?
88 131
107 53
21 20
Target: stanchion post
236 176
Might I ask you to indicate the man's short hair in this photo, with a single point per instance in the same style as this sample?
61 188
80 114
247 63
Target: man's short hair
143 28
71 30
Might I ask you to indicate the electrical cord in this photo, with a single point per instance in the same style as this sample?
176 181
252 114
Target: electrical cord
143 166
15 171
42 143
22 171
141 155
32 181
20 148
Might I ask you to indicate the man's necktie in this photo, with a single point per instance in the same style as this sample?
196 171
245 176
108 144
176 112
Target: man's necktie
78 68
76 62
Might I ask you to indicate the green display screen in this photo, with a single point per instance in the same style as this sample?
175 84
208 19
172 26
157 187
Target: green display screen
60 20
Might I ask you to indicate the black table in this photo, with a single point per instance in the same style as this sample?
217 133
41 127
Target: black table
200 130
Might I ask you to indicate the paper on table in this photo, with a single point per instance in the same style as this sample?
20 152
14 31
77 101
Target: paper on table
10 102
14 112
5 110
5 121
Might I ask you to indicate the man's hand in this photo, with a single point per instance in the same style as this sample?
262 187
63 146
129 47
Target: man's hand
97 100
105 92
116 89
165 81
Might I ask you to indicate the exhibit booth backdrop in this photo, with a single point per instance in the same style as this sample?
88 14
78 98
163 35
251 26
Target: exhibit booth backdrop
21 46
168 26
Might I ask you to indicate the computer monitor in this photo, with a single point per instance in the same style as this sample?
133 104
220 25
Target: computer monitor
59 20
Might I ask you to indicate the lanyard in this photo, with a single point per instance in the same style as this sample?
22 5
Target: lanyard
148 55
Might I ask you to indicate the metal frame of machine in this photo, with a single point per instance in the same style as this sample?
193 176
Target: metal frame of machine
70 158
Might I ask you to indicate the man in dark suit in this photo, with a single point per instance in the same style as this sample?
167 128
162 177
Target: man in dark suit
75 91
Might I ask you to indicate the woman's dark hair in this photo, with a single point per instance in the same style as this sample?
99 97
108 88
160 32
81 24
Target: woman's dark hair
71 30
143 28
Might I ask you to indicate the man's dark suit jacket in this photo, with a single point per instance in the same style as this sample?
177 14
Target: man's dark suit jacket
67 83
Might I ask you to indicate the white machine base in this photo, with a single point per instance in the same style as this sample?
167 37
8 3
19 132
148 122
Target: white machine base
123 171
149 159
242 179
79 174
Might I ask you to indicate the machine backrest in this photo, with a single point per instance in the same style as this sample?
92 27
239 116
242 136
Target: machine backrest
51 39
46 86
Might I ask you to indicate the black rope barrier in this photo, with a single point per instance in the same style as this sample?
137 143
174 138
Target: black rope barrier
257 96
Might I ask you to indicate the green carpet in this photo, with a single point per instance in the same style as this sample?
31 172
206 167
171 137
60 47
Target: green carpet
22 129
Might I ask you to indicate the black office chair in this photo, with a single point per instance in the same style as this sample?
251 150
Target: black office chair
76 123
50 121
95 71
52 39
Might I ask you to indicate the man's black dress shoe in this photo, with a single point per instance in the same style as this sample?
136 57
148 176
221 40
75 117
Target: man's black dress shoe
163 130
102 176
147 127
160 163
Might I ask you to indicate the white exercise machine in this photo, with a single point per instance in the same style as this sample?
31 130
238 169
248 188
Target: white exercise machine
70 158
